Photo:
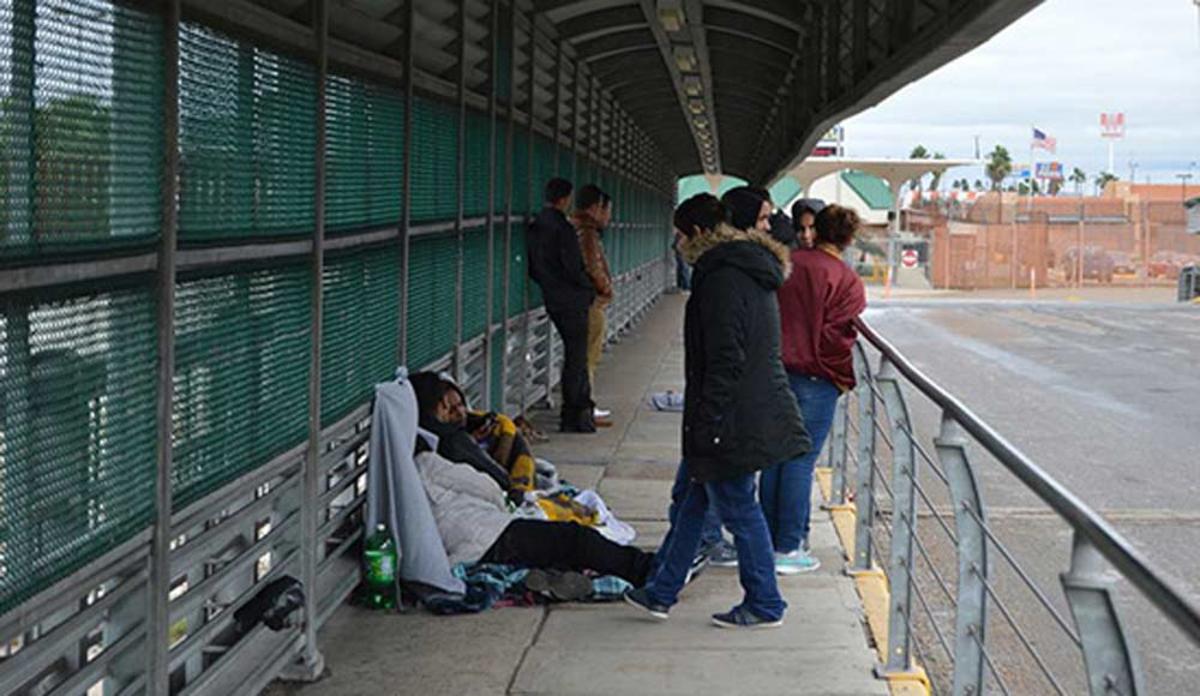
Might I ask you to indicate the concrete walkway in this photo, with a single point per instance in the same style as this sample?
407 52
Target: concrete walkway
606 650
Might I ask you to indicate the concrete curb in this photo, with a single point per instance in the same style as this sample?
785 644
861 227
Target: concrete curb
873 590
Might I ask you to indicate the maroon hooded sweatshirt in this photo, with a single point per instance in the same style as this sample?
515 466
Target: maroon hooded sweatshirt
817 307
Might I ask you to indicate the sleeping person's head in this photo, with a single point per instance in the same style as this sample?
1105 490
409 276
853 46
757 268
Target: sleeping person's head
439 399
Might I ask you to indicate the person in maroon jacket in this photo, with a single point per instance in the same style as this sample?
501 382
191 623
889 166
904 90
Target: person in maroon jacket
818 305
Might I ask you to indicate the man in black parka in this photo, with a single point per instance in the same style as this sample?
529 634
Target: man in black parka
739 413
556 264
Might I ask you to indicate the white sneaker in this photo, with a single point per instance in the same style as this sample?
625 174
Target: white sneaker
795 562
601 412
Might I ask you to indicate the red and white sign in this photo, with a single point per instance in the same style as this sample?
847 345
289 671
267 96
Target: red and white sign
909 258
1112 125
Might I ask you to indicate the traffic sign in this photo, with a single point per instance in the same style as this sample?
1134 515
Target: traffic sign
909 258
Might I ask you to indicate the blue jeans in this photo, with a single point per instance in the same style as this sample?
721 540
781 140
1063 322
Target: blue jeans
786 488
710 532
734 501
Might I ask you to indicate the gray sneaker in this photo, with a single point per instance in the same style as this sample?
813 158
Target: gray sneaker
723 555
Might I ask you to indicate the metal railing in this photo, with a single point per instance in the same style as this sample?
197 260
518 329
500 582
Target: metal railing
881 467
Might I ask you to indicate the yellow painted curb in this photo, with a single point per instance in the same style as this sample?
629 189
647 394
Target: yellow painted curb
873 590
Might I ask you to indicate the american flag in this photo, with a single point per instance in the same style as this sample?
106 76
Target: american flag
1043 141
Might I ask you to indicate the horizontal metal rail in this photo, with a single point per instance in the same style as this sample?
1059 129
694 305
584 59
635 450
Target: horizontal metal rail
1107 540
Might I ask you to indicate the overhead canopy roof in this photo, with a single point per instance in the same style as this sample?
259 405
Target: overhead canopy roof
894 171
740 87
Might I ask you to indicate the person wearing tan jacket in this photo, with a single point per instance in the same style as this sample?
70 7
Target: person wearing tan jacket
593 211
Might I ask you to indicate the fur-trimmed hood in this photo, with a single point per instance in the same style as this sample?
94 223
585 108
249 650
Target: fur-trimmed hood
742 248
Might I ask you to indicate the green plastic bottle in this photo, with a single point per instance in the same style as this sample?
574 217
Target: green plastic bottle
379 555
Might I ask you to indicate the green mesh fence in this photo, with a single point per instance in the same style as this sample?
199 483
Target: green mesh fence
241 373
498 197
498 273
77 430
478 154
543 164
475 282
434 163
364 155
247 139
521 173
80 127
432 264
361 326
518 278
496 393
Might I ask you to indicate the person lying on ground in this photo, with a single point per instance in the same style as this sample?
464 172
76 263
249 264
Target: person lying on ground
487 441
474 523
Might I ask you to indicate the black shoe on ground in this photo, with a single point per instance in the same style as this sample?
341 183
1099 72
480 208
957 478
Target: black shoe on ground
637 598
740 617
577 428
699 563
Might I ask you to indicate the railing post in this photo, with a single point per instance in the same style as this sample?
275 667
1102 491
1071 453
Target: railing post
971 598
904 509
864 491
837 452
1107 654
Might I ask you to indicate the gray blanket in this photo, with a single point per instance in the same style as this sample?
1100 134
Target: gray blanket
395 494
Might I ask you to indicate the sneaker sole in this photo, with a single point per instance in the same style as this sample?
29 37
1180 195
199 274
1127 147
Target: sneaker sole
795 570
752 627
656 615
723 564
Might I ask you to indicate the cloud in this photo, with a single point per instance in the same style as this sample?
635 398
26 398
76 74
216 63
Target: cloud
1058 68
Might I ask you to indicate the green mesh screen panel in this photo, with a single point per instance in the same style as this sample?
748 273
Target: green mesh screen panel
478 155
498 197
504 59
362 326
521 173
241 373
80 126
475 282
247 139
434 164
364 157
543 164
432 268
518 277
566 163
77 430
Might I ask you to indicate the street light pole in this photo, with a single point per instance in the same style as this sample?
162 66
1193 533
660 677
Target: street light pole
1183 178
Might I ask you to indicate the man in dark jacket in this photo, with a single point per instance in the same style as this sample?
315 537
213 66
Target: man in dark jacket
556 264
739 414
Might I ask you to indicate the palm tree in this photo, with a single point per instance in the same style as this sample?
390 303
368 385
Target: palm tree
1079 178
999 166
1103 179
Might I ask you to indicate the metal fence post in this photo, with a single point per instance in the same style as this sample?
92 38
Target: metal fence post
837 452
970 631
864 491
1108 656
904 522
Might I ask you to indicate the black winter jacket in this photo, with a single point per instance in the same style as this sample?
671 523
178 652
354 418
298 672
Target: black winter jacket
556 261
739 414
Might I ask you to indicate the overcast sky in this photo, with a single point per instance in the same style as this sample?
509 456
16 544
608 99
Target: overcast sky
1058 68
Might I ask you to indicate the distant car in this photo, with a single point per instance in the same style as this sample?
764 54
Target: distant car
1123 263
1097 263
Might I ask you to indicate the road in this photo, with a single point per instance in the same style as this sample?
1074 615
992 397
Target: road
1104 396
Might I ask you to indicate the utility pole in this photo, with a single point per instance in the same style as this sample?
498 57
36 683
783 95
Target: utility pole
1183 179
1132 172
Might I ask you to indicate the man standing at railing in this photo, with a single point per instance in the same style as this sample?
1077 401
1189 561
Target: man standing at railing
593 211
818 305
556 264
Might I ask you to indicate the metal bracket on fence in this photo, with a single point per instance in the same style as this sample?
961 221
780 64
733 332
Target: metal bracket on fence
904 511
971 596
837 453
1108 657
864 493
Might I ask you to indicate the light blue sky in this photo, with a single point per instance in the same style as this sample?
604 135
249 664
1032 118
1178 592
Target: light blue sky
1058 68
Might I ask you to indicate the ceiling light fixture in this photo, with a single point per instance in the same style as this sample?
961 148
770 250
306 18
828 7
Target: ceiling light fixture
692 86
685 58
671 16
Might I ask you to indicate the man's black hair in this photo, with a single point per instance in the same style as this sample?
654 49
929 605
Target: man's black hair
590 195
702 210
557 189
744 203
